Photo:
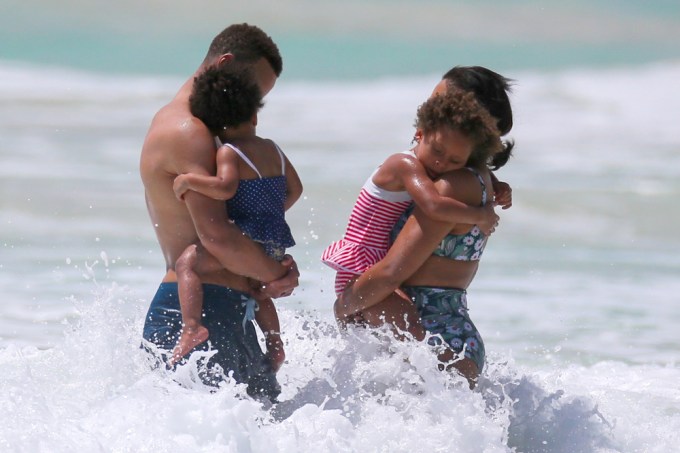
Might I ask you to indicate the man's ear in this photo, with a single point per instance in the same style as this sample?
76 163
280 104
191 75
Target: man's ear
225 58
254 120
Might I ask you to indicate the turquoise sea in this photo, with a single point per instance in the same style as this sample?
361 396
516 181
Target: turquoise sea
577 297
340 40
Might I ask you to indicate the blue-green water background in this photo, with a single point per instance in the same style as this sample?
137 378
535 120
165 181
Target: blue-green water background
331 39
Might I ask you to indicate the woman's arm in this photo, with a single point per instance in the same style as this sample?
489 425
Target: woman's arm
412 248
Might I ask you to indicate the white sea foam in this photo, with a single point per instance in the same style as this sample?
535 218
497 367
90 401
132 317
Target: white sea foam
94 390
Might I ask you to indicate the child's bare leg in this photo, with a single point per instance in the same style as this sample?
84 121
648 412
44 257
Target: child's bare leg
194 259
397 311
268 320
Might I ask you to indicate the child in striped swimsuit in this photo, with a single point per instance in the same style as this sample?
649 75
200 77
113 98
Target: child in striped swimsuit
226 98
452 131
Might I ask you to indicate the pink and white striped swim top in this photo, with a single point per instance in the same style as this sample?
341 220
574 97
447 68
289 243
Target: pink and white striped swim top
367 236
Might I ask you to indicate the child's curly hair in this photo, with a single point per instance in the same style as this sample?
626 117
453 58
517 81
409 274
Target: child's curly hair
225 96
461 112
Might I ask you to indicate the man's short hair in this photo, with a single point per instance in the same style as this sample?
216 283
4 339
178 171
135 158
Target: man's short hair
248 44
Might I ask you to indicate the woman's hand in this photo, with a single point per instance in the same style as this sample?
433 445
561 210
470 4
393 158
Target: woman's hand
343 313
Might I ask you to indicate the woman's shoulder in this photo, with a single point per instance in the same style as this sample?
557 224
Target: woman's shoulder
464 184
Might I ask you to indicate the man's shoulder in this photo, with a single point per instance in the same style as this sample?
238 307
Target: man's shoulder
177 142
177 123
175 128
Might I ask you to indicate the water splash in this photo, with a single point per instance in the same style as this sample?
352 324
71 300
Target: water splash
352 391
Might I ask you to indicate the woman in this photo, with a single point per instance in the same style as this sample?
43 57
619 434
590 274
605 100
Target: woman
421 284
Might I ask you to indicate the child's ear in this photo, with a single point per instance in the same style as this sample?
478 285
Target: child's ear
418 135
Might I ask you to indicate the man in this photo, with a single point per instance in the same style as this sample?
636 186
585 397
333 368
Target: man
178 143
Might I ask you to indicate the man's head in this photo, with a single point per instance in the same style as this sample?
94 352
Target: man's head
250 45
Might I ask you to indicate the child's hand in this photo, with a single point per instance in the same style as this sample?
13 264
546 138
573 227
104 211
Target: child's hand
503 193
490 223
181 186
275 350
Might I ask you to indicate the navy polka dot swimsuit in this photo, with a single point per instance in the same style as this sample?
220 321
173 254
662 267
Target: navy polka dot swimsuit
257 209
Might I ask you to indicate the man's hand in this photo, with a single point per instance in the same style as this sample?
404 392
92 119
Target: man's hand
284 286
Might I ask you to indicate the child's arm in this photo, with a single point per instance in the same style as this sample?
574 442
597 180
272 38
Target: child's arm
503 192
425 195
222 186
293 185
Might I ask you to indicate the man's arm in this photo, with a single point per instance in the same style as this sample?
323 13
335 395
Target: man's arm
225 241
236 251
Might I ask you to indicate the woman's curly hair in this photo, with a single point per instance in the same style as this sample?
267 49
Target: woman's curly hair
225 96
460 111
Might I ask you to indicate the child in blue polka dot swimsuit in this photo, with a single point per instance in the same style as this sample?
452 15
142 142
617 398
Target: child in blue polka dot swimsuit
258 183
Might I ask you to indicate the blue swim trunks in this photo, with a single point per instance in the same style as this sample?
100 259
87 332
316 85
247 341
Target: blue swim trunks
444 313
238 350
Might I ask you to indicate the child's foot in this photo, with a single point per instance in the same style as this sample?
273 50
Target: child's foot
188 340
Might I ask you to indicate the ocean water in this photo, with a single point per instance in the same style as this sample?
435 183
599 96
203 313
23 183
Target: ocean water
576 298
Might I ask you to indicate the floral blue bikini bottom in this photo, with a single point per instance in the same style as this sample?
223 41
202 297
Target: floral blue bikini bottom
444 313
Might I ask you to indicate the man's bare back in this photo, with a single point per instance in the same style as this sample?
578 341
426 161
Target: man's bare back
177 143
